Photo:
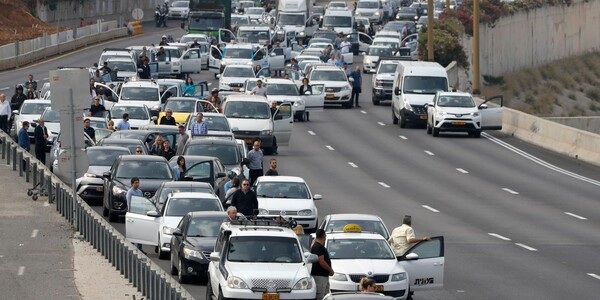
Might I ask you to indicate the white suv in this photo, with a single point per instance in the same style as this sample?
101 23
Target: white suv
337 86
259 260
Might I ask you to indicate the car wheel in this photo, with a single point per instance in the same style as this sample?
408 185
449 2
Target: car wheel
477 134
436 132
375 101
112 216
428 128
173 268
394 119
181 277
301 117
220 296
307 116
209 293
364 71
215 75
104 210
402 122
161 254
269 151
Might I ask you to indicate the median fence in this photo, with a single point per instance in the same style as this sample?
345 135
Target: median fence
145 275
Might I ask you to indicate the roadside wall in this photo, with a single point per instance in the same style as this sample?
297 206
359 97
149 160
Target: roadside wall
591 124
67 13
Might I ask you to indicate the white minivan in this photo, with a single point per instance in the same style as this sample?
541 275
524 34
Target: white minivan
250 117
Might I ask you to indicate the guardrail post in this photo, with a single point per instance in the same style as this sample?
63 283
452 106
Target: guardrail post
3 147
27 168
8 153
17 53
21 162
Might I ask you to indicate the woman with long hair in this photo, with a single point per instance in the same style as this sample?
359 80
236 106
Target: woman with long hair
180 168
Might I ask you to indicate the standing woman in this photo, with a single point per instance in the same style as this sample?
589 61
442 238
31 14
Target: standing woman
188 87
180 168
157 147
111 125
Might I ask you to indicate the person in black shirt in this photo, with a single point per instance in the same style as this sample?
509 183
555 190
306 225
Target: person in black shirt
321 270
168 119
89 130
167 152
96 109
165 94
146 72
40 135
245 199
272 168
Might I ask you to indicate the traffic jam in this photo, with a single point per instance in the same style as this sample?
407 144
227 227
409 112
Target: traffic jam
191 167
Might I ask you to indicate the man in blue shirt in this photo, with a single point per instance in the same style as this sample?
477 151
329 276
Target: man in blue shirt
356 85
124 124
199 127
23 139
134 191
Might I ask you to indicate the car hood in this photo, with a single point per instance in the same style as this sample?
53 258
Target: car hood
29 118
171 221
366 10
332 83
281 271
283 98
285 204
418 99
53 128
385 76
236 61
138 123
457 110
98 170
373 58
232 80
178 9
250 124
294 28
366 266
203 243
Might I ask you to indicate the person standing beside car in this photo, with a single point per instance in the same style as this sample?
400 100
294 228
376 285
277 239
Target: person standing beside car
40 135
134 190
401 237
356 86
245 199
321 270
5 112
256 161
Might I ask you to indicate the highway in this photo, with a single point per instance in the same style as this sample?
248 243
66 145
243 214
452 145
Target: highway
518 221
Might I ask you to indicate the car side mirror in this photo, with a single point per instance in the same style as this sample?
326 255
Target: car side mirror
307 93
483 106
410 256
154 118
176 232
317 197
218 75
428 104
397 91
153 213
15 112
186 57
272 54
106 175
214 256
311 258
245 161
221 175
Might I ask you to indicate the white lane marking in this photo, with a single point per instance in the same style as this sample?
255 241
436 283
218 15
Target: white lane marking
381 123
4 88
462 171
460 291
429 152
311 132
430 208
383 184
363 112
329 147
575 216
34 233
499 236
510 191
526 247
21 271
402 137
594 275
45 78
540 161
352 164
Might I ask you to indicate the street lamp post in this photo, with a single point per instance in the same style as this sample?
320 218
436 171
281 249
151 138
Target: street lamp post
476 47
430 30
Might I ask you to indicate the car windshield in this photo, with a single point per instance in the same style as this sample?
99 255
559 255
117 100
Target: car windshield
173 52
247 110
408 10
318 10
377 51
226 153
250 36
359 249
367 4
333 75
135 112
51 116
337 5
264 249
217 123
186 106
329 35
387 68
282 89
254 11
289 19
394 26
240 20
391 45
180 4
204 227
139 93
98 123
238 72
213 22
165 191
365 225
102 157
291 190
33 108
144 169
124 66
455 101
238 53
424 85
337 21
190 39
178 207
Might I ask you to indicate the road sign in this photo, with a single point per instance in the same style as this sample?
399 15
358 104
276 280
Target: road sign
66 159
70 81
137 14
71 125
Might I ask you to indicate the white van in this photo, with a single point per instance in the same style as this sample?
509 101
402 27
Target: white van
250 117
416 84
338 20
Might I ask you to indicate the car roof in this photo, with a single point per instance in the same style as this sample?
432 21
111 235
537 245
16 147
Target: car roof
239 45
196 195
454 94
140 83
280 179
326 67
352 216
120 141
41 101
240 67
250 98
193 158
109 148
129 104
133 157
354 235
172 184
205 214
211 141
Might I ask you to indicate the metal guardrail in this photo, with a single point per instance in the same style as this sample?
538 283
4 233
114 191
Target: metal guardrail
145 275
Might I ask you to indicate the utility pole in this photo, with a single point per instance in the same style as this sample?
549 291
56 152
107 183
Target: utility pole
447 6
430 30
476 47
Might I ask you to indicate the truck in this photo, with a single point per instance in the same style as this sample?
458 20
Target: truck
208 16
296 16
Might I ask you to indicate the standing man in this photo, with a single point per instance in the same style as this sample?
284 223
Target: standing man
30 80
199 127
89 130
40 135
167 151
182 139
134 191
23 139
245 199
167 119
124 123
386 12
345 46
321 270
272 168
5 112
256 161
356 86
146 72
259 89
403 236
97 109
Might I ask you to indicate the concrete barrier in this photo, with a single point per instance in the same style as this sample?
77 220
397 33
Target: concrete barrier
591 124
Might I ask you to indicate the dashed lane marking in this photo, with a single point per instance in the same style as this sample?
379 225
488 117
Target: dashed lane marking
594 275
21 271
311 132
383 184
499 236
329 147
402 137
525 247
430 208
462 171
363 112
34 233
429 152
510 191
575 216
381 123
352 164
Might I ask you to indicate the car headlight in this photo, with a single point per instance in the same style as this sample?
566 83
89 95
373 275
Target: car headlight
249 63
407 106
305 212
339 277
89 175
399 276
156 107
223 63
416 18
440 113
357 14
266 132
367 61
378 83
188 252
118 190
262 211
377 13
345 88
176 63
236 283
301 33
167 230
303 284
474 114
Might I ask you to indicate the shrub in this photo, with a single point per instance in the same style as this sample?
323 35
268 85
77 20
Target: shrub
593 93
446 48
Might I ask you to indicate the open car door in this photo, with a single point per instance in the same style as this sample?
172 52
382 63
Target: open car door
348 57
153 70
225 36
139 226
214 60
191 62
424 263
491 111
264 73
311 26
201 172
261 58
283 122
316 100
201 90
277 59
364 41
296 49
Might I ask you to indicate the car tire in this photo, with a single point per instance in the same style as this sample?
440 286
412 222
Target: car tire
301 117
209 293
104 210
173 268
215 75
181 277
477 134
394 118
161 254
307 116
375 101
112 216
269 151
435 132
428 128
402 122
364 71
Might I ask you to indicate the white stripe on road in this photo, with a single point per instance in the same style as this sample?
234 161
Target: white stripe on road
526 247
402 137
363 112
594 275
462 171
510 191
21 271
4 88
384 185
311 132
540 161
45 78
34 233
575 216
329 147
499 236
352 164
429 152
430 208
381 123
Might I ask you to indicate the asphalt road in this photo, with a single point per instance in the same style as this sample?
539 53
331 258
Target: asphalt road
518 221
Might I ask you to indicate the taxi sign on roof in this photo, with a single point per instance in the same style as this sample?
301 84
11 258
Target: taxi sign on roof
352 228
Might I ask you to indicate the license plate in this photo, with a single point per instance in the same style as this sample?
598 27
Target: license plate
100 188
248 141
237 89
423 117
270 297
459 123
328 96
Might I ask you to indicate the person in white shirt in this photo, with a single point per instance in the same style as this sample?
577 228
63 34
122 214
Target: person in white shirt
345 46
259 90
4 113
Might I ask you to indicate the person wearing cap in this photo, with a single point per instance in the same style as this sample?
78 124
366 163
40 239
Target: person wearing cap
402 237
164 41
259 89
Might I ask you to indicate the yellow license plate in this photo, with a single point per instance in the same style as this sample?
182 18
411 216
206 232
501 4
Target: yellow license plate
423 117
329 96
237 90
270 297
459 123
100 188
248 141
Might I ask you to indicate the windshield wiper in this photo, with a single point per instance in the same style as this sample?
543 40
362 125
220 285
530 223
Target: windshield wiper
265 196
196 235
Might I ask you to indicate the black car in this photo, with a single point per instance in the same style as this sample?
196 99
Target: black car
207 169
192 242
90 186
168 187
151 170
148 136
131 144
408 14
226 150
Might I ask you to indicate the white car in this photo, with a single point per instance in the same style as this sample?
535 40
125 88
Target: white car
368 223
140 92
371 57
337 5
179 10
254 13
191 37
371 9
287 196
234 76
168 62
139 115
457 112
337 86
146 224
30 111
393 43
236 54
383 81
